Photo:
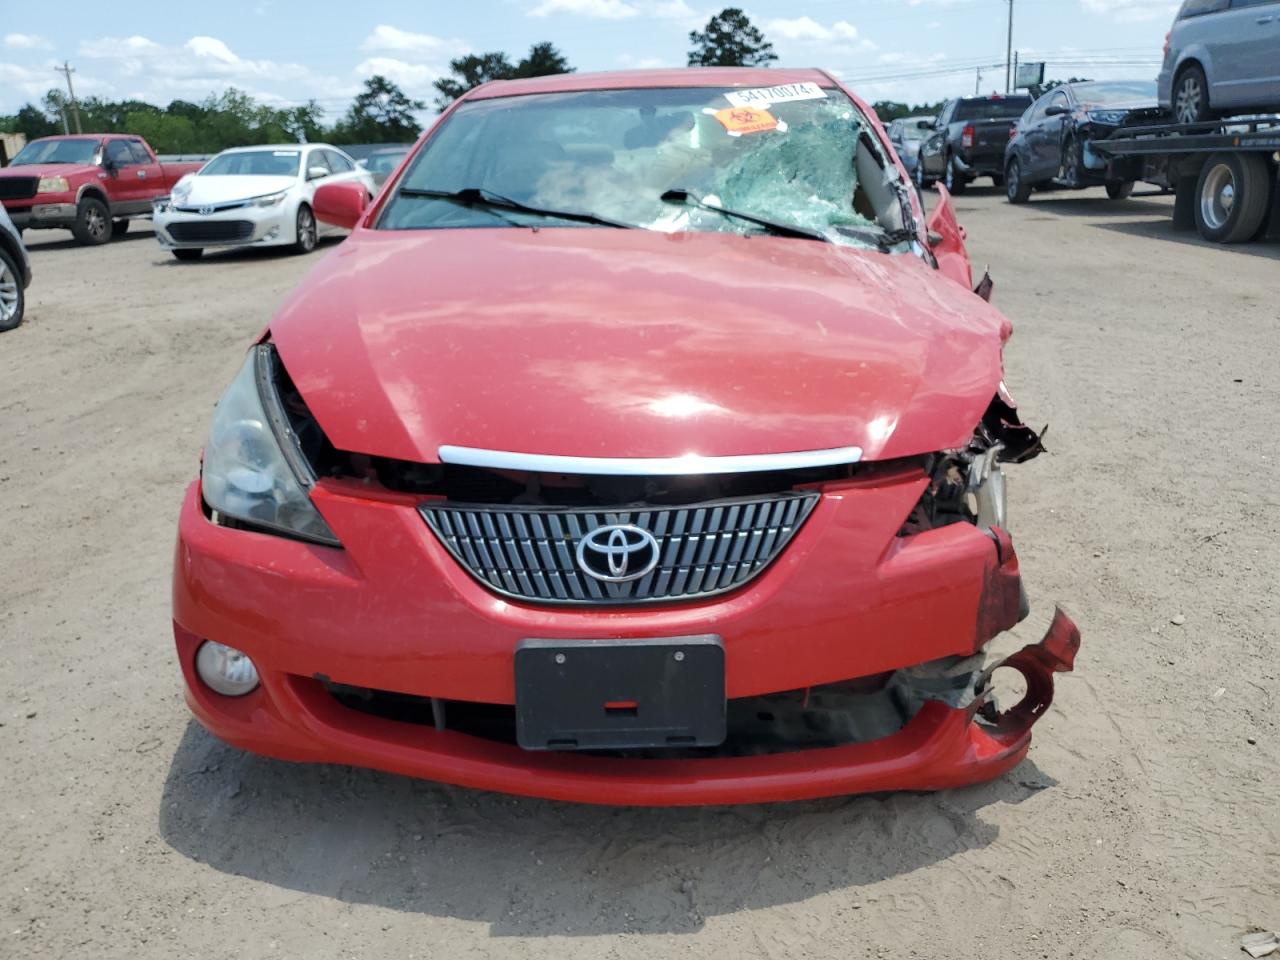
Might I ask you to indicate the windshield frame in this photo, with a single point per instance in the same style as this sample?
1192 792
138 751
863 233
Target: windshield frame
898 205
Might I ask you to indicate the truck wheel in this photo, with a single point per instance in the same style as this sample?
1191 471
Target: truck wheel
955 179
93 222
1191 96
189 253
1120 189
306 241
1232 196
1015 187
13 298
119 228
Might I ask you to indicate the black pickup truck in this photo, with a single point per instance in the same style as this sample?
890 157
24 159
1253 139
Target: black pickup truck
968 140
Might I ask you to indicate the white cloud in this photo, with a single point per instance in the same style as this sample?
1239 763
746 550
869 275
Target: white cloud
415 78
1131 11
593 9
808 30
672 10
389 39
26 41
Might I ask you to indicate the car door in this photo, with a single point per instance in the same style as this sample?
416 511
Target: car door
1046 147
121 182
934 148
148 175
1244 49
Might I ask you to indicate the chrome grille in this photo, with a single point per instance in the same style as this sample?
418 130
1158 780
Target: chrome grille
530 553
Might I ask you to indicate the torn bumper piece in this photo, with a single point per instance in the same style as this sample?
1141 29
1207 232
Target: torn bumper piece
293 718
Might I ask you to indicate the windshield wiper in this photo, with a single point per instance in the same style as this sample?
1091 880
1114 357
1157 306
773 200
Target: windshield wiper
680 195
480 197
882 238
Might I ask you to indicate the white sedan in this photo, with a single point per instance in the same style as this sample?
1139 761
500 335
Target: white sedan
253 197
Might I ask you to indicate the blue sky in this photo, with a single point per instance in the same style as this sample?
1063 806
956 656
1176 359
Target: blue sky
289 52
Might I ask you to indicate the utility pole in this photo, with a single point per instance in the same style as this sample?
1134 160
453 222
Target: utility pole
977 83
1008 54
67 70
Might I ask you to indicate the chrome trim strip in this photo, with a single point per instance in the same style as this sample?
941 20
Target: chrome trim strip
687 465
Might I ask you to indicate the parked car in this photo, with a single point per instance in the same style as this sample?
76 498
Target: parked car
15 274
1053 142
381 163
1221 58
253 197
968 141
91 184
906 134
625 467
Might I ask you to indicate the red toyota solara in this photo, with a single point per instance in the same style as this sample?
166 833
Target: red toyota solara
642 444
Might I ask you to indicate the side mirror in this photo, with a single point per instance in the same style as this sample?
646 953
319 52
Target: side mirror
109 165
363 164
341 204
317 173
926 124
1055 110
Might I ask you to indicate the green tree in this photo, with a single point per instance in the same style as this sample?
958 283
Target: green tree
33 122
380 113
730 40
888 110
470 71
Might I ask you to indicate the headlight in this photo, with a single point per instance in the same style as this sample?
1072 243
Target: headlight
1108 116
53 185
253 470
274 200
160 205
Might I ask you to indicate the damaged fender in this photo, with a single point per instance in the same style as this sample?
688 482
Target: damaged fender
1037 662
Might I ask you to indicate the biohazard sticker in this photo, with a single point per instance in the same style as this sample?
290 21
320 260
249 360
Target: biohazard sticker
784 93
743 120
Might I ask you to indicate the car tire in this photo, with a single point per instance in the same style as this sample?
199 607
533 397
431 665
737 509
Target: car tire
1120 189
307 235
1016 187
955 180
93 222
997 180
119 228
1069 172
1190 100
189 253
1233 193
13 298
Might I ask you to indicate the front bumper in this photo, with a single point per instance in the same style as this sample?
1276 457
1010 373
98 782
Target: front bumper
42 216
394 612
266 227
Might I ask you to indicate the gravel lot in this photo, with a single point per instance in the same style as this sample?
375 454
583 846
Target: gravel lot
1144 824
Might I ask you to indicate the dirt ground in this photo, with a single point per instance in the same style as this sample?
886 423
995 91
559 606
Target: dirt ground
1145 824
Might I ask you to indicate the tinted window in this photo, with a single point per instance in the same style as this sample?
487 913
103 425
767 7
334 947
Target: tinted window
253 163
1198 8
140 155
385 162
118 153
338 163
1002 108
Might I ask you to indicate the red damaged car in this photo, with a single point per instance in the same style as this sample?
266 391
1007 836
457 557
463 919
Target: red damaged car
641 445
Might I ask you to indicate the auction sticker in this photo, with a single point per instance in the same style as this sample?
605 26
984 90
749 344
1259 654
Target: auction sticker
740 120
784 93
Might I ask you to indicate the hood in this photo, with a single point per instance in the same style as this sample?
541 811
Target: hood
208 190
49 170
629 343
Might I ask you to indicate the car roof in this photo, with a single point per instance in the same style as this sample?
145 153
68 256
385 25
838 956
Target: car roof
274 146
672 77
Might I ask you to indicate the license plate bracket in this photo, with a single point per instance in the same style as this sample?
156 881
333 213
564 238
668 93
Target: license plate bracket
620 694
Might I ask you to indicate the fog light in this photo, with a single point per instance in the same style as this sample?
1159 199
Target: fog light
225 669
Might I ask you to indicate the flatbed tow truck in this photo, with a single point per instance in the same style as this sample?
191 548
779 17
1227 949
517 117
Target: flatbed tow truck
1225 174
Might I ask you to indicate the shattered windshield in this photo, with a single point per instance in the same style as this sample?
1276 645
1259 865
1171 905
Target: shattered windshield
798 156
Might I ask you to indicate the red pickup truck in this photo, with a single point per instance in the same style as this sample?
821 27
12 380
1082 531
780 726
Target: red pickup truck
92 184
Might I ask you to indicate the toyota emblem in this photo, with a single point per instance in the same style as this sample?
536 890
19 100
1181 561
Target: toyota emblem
205 211
617 553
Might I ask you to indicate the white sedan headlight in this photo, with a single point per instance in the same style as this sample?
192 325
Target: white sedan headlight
253 469
274 200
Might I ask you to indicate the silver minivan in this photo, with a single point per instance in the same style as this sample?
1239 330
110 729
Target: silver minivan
1222 57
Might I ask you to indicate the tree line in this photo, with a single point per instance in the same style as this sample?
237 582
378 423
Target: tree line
380 113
